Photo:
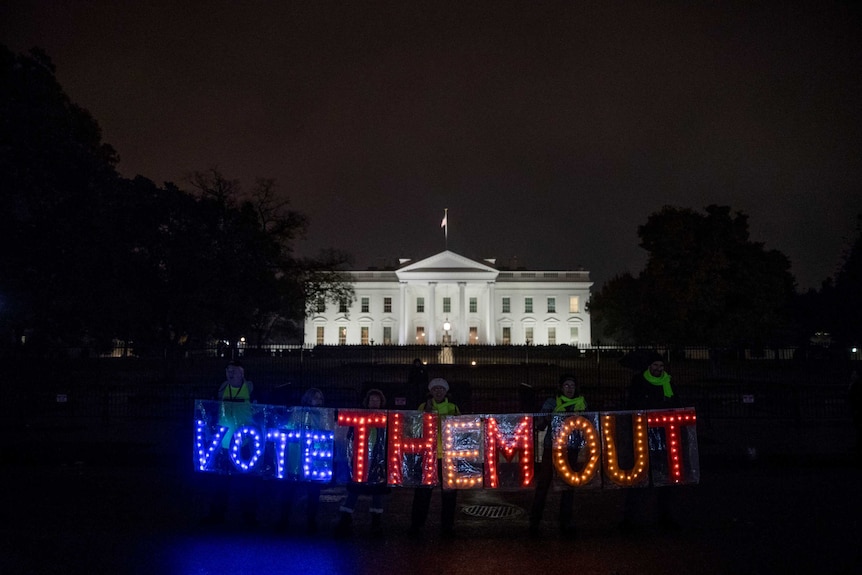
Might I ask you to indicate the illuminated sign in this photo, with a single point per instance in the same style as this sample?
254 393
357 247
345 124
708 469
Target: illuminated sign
610 449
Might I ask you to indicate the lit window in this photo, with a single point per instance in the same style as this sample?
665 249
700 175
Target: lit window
552 336
474 334
342 335
319 338
420 335
387 335
528 305
528 335
574 335
574 304
552 305
363 335
506 305
507 335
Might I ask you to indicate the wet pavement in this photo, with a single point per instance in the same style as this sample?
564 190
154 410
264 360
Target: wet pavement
790 508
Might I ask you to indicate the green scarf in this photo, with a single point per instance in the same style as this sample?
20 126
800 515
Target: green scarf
663 381
576 403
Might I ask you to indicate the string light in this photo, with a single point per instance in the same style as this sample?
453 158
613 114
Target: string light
560 450
361 421
519 442
205 455
671 421
638 473
473 446
401 446
457 431
237 443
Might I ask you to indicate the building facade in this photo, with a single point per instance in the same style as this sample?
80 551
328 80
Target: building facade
450 299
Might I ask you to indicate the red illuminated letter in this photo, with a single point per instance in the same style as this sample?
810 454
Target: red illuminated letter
521 442
399 445
361 421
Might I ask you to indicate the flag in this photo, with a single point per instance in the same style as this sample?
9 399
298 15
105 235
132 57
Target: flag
445 218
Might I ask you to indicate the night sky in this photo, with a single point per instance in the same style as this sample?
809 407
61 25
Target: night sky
550 133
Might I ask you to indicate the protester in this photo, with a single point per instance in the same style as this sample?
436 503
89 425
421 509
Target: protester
235 395
651 389
307 417
567 400
417 383
375 480
437 402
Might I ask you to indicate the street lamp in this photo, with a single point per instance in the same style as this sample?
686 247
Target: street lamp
446 327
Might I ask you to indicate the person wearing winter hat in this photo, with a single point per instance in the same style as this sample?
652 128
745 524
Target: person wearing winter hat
651 389
438 403
568 399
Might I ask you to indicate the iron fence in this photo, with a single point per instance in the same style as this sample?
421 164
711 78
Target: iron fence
497 379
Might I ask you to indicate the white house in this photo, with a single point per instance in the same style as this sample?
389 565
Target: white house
448 298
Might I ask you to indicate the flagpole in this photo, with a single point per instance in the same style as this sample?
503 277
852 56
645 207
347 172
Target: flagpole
446 227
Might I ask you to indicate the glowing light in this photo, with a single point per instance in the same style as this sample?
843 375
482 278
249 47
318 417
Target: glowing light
205 454
671 421
520 442
317 457
458 431
240 438
638 472
400 446
560 450
361 421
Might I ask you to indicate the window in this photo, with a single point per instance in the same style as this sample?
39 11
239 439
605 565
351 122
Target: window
528 335
447 305
506 305
387 335
321 305
420 335
552 336
474 334
342 307
420 305
474 305
528 305
552 305
574 304
574 335
387 305
365 305
342 336
319 339
507 336
363 335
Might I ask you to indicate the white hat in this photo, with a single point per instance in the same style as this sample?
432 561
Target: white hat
438 382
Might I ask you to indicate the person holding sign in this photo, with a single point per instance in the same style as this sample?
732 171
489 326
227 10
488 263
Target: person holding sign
567 400
439 403
374 484
651 389
236 395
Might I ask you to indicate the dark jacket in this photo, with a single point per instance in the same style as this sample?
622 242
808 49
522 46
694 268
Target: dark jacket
644 395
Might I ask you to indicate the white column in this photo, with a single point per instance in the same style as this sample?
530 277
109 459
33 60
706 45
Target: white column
463 334
431 326
489 317
402 328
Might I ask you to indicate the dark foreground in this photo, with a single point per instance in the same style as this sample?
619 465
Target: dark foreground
788 511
